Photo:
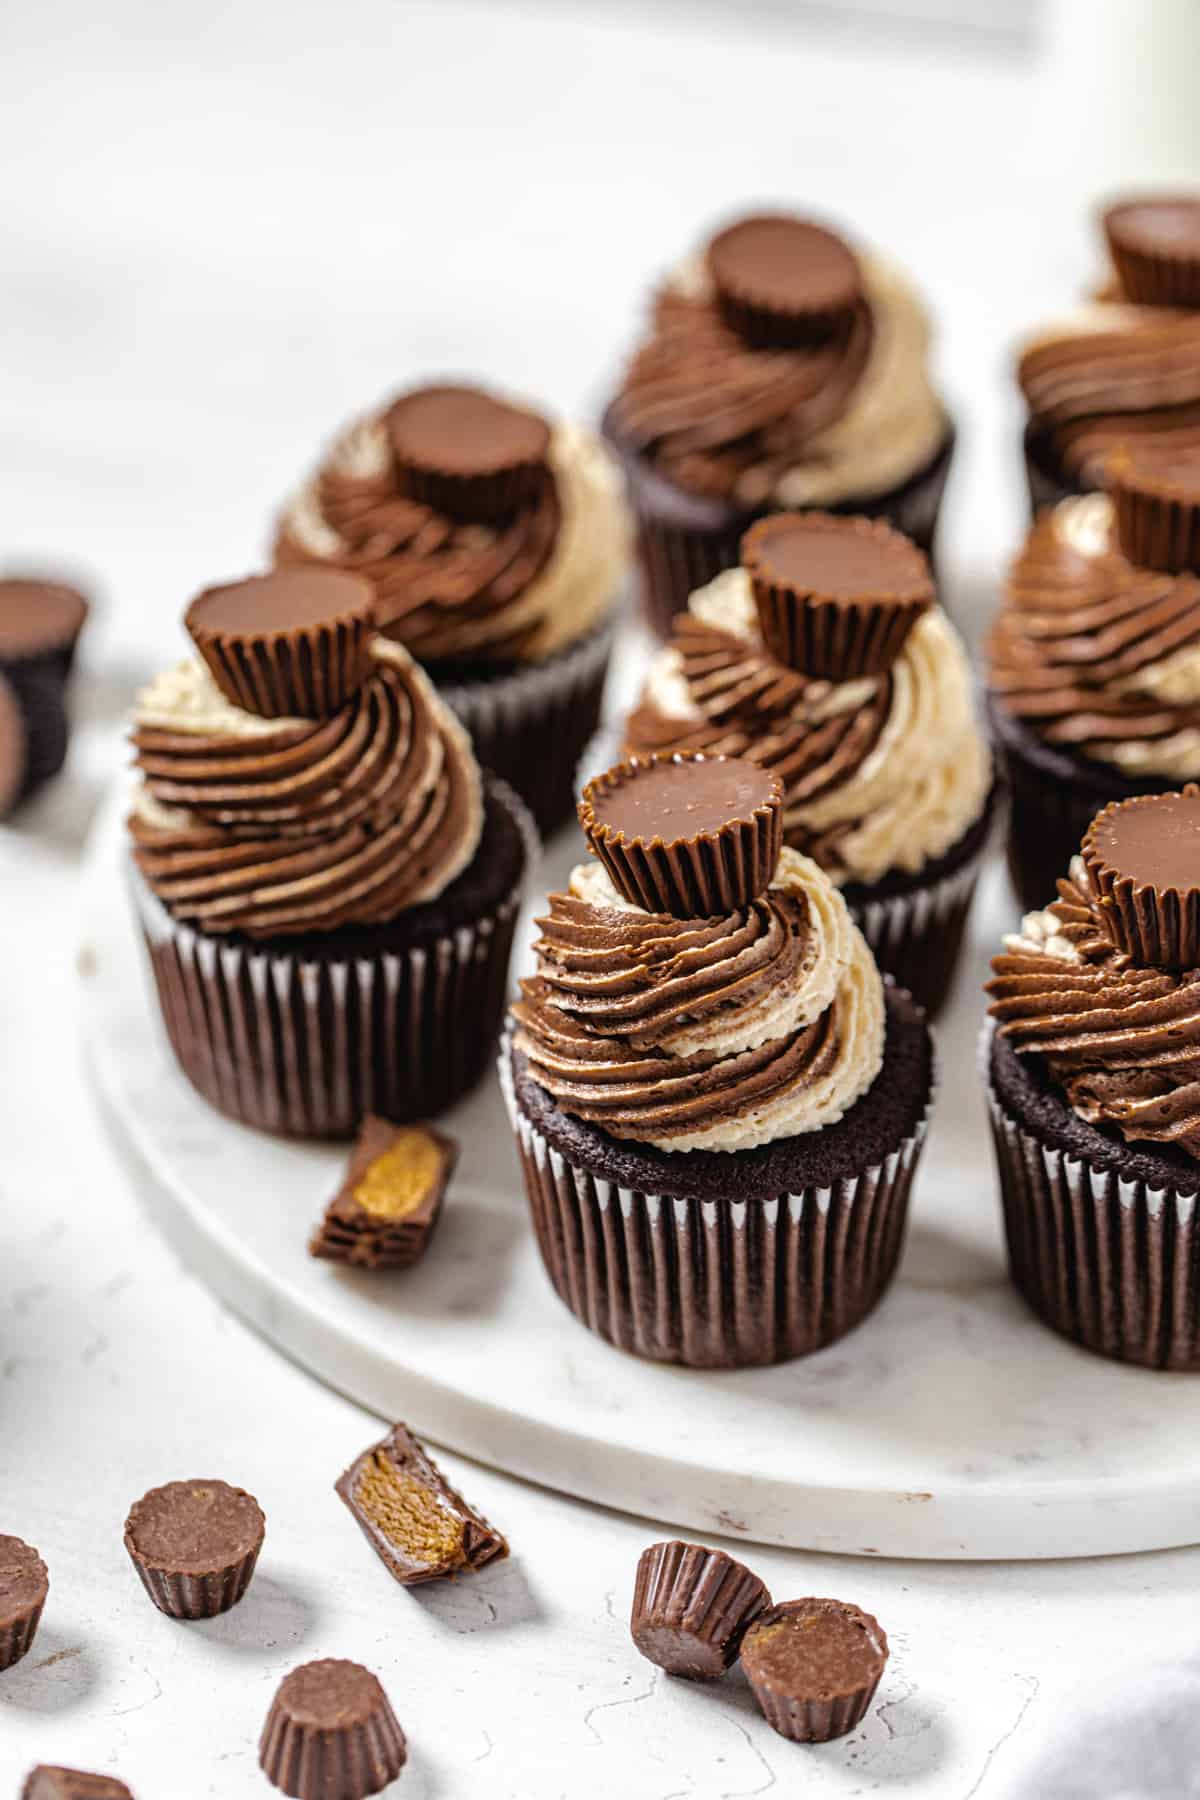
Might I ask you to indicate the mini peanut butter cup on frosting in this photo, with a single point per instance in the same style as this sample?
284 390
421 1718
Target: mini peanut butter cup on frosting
1155 247
1093 1074
1156 505
327 903
836 598
496 543
331 1733
718 1115
782 369
692 1607
692 836
289 644
782 280
814 1666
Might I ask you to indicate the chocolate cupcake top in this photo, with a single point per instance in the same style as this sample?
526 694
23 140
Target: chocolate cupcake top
716 1033
1093 649
783 368
882 766
278 826
1104 984
1125 367
487 534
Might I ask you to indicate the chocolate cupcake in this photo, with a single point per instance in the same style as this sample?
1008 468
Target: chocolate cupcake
40 624
1122 370
825 659
327 898
782 370
1093 1077
496 545
1094 660
719 1116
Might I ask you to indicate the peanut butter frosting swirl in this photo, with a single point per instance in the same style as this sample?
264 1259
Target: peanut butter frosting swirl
1122 1041
1095 654
883 772
516 589
716 1034
807 425
281 826
1110 375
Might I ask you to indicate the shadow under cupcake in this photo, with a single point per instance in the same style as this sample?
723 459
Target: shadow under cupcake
719 1103
326 884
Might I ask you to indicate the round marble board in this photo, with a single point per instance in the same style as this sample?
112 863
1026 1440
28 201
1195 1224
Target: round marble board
950 1425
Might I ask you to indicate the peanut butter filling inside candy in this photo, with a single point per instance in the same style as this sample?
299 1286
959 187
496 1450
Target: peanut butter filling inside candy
410 1515
399 1182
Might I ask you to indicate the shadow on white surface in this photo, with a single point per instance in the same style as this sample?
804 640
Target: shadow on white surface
279 1611
55 1676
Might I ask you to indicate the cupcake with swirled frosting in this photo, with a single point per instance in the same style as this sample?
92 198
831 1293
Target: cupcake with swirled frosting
326 883
718 1100
782 369
1093 1074
825 659
1121 370
1094 659
496 545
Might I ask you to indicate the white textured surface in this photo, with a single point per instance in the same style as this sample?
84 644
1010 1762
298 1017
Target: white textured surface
224 228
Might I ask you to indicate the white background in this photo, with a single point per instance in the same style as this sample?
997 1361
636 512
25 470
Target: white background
222 229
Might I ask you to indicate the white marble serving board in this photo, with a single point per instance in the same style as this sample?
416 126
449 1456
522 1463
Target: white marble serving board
950 1425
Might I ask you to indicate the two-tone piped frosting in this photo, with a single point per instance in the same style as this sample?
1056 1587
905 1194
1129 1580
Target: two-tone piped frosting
825 659
301 774
672 1025
488 535
1104 984
1096 647
783 368
1124 369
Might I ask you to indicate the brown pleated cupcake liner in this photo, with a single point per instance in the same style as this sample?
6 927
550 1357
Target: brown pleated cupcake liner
917 938
815 1721
305 1048
197 1596
530 726
308 673
710 1285
675 558
16 1638
691 1607
1113 1264
332 1762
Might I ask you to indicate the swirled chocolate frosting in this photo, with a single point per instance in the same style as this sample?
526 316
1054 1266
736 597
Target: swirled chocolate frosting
1122 1041
272 827
884 771
715 1033
1095 654
503 556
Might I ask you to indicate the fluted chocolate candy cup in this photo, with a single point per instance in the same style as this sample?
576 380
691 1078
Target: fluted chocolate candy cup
331 1734
529 724
293 643
691 1607
1154 241
727 1260
814 1666
1102 1235
304 1036
1052 799
195 1545
24 1585
685 540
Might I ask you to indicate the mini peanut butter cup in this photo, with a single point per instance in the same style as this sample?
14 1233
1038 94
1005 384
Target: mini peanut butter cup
331 1733
420 1527
385 1212
1154 241
1143 861
48 1782
290 644
467 453
24 1585
693 836
194 1545
783 281
1156 503
814 1666
14 748
836 597
691 1607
